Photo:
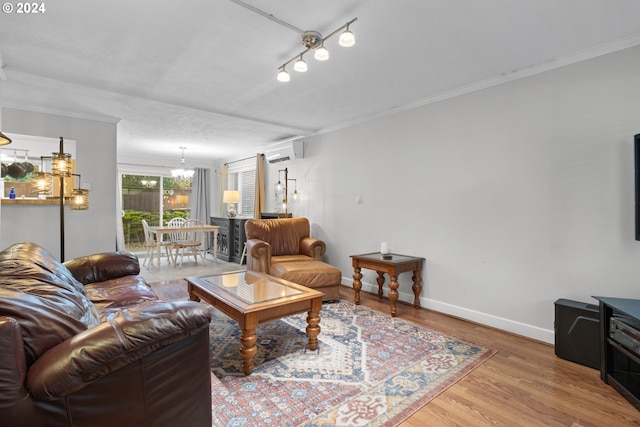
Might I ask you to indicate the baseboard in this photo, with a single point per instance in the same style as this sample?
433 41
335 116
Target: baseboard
507 325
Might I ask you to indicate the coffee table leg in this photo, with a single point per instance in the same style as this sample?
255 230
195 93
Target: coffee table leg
248 349
417 287
393 294
380 281
313 324
357 284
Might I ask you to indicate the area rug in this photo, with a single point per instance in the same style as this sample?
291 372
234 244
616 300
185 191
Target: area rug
369 369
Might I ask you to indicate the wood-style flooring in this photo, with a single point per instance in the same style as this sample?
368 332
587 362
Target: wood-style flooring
524 384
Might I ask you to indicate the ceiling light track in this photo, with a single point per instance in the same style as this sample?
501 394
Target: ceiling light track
268 16
313 40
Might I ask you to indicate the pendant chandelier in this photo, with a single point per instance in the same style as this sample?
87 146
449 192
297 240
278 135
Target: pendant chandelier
182 172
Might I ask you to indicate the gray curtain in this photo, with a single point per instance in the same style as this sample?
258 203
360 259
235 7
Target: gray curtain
200 199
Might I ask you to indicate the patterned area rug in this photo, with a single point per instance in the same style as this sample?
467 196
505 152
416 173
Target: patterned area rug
369 369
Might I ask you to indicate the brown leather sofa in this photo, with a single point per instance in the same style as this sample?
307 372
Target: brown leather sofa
283 248
87 343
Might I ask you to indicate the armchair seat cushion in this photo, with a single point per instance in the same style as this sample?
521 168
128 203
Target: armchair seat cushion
290 258
312 274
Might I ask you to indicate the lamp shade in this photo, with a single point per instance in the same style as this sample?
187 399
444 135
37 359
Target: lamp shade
4 139
231 196
347 38
80 199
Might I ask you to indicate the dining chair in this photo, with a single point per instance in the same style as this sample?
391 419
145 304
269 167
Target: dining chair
151 244
189 237
175 235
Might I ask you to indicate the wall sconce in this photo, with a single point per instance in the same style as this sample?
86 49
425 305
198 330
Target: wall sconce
230 197
284 188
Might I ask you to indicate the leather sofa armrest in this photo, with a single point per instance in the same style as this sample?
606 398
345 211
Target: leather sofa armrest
130 335
103 266
13 367
314 248
258 256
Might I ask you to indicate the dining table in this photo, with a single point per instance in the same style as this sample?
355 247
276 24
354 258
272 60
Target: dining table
160 231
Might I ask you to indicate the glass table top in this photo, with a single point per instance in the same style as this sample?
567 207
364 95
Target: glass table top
249 288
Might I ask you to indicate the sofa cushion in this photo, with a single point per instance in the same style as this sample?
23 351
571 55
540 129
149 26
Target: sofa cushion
42 295
120 292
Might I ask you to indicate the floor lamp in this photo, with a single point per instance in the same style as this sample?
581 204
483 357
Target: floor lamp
61 168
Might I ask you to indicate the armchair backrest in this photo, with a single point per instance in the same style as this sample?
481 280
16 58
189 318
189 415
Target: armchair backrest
284 234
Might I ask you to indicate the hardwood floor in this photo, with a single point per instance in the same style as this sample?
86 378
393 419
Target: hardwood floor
524 384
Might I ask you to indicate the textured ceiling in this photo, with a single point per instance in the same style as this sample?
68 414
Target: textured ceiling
202 74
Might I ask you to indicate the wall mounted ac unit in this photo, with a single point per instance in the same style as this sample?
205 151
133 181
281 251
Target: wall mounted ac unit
290 150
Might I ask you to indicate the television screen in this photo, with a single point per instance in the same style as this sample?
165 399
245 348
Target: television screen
636 157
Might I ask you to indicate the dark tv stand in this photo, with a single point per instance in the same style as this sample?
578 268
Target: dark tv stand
620 353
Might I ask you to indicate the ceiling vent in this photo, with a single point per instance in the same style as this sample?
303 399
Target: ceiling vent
290 150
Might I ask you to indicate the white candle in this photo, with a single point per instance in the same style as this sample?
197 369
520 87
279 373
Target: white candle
384 248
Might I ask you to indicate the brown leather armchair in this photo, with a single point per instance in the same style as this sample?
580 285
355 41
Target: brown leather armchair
87 343
283 248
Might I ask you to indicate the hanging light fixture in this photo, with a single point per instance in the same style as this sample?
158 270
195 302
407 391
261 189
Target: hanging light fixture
4 139
313 40
182 172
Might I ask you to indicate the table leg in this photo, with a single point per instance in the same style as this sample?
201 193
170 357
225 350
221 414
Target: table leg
158 247
357 284
417 287
313 324
215 246
393 294
248 349
380 281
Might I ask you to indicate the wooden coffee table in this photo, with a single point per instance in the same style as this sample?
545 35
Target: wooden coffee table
251 298
393 265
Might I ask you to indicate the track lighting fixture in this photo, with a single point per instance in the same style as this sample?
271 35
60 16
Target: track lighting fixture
313 40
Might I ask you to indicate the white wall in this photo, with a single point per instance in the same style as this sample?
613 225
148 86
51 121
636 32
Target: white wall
87 231
516 195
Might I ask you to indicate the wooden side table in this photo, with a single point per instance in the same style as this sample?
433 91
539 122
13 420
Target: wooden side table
393 265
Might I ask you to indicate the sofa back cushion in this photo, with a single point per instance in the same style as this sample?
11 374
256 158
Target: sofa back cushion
284 234
43 296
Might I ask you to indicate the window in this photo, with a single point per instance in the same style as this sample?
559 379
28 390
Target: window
151 197
243 179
